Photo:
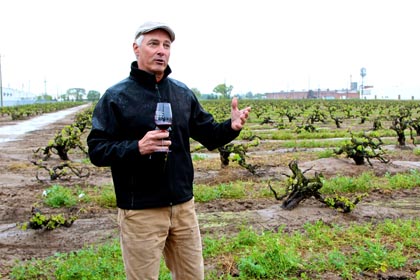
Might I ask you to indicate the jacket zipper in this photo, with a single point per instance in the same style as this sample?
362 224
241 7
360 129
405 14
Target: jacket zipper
158 92
132 192
160 100
132 199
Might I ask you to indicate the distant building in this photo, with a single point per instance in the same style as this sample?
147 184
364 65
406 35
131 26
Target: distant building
13 97
396 92
315 94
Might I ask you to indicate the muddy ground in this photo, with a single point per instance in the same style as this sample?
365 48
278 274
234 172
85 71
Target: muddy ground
20 190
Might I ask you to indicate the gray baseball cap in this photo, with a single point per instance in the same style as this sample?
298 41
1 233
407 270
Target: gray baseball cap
151 25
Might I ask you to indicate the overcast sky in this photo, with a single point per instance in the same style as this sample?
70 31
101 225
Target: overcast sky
255 46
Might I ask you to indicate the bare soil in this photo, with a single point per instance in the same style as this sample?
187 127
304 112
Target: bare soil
20 190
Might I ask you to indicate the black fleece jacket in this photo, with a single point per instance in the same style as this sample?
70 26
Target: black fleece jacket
123 116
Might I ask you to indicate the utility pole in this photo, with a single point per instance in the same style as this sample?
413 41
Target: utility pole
362 74
45 86
1 85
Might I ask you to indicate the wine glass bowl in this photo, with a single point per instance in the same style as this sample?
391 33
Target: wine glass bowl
163 116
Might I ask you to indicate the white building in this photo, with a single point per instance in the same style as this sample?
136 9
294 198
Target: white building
13 97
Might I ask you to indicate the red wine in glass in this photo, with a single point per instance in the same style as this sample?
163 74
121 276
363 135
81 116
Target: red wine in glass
162 125
163 115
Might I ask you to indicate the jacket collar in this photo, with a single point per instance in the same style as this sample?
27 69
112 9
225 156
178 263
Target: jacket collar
145 77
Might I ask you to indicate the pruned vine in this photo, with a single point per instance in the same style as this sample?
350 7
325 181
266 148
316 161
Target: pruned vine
41 221
300 188
66 140
363 147
237 152
63 171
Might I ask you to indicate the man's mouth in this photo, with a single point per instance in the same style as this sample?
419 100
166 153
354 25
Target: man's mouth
160 61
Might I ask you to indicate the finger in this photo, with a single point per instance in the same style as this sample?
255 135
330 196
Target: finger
247 110
160 134
234 103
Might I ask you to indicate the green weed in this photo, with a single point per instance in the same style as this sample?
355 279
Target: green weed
105 196
59 196
404 180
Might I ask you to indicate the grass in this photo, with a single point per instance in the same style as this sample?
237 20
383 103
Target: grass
58 196
318 249
104 196
363 183
404 181
232 190
306 254
289 134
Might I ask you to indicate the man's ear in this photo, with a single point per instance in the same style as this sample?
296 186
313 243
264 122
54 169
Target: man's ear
136 49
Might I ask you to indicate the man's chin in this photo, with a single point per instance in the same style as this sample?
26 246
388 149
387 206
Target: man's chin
159 70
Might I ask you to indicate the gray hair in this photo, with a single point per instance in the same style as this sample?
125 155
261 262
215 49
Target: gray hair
139 40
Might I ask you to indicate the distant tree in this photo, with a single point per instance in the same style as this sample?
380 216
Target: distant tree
196 92
249 95
209 96
64 97
44 97
224 90
93 95
76 94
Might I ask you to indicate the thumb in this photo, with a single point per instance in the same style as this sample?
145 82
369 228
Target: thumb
234 103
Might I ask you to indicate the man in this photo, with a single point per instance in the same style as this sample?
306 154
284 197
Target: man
154 189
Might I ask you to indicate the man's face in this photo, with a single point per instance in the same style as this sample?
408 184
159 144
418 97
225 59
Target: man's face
154 51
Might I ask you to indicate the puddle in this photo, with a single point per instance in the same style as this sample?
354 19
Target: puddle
15 132
407 203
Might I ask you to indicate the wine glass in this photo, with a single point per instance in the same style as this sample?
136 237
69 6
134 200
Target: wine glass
163 116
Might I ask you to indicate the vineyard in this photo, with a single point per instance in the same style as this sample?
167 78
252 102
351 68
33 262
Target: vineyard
312 189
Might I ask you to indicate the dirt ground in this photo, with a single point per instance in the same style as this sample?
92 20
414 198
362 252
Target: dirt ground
20 190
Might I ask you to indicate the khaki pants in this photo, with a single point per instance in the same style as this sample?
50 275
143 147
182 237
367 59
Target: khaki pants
173 231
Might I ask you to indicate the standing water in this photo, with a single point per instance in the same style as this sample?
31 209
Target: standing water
16 131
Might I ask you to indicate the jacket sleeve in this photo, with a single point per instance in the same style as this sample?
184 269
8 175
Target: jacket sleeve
207 131
105 148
